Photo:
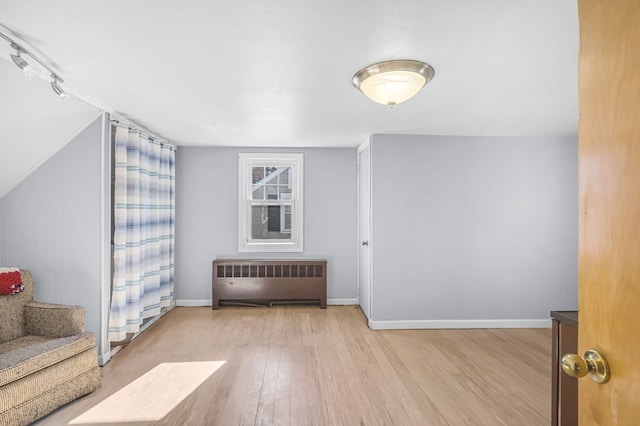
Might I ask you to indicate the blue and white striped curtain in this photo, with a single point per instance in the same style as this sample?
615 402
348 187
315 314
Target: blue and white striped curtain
143 240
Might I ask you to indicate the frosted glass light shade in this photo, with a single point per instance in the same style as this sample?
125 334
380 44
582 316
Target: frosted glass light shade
393 87
393 82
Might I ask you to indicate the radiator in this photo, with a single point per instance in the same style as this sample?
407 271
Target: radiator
269 281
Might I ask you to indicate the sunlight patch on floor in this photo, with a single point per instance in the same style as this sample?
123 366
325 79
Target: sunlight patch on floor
152 396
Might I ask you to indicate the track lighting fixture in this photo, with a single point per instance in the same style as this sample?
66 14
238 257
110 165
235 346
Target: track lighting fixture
27 69
31 71
59 90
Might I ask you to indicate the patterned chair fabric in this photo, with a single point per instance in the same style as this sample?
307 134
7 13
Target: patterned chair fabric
46 360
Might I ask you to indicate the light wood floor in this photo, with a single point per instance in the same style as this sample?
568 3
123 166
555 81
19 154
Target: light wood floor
307 366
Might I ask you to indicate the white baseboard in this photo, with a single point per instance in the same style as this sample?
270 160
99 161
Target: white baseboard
342 301
193 302
448 324
207 302
104 358
415 324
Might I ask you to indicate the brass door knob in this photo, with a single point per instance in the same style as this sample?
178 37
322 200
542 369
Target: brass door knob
592 364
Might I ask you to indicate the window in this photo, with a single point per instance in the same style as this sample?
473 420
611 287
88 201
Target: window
270 203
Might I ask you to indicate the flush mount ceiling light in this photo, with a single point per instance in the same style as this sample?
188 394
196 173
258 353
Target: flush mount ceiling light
31 71
393 82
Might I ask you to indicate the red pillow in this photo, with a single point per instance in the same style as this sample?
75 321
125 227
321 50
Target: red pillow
10 281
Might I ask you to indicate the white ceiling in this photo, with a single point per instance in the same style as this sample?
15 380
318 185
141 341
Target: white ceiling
34 123
278 73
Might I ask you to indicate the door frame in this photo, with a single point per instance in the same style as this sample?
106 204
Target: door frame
364 145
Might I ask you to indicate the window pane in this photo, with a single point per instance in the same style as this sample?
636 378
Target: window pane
271 171
257 193
271 192
285 194
257 174
268 223
287 219
285 176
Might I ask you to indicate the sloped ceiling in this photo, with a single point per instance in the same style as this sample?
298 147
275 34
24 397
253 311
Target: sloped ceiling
278 73
34 123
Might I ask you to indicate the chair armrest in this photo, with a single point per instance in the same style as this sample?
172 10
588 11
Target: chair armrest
53 320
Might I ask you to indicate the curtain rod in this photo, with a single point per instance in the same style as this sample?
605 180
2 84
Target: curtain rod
135 127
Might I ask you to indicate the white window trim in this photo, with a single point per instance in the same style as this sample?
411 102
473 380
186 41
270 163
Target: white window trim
246 162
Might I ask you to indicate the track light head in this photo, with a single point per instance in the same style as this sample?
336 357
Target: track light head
27 69
59 90
21 63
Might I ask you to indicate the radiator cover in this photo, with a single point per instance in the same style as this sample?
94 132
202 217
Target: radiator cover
269 281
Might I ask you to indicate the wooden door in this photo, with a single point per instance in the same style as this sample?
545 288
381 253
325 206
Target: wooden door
609 216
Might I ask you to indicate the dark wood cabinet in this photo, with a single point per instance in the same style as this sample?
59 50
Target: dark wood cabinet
564 389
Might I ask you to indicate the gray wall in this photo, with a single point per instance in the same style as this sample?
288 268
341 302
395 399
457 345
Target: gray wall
207 215
473 227
463 227
50 224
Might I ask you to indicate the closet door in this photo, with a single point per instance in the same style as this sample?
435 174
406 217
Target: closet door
364 230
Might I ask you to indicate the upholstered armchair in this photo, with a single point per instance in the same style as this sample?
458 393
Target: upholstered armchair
46 358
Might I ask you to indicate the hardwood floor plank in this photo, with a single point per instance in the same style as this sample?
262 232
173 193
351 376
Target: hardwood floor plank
293 365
